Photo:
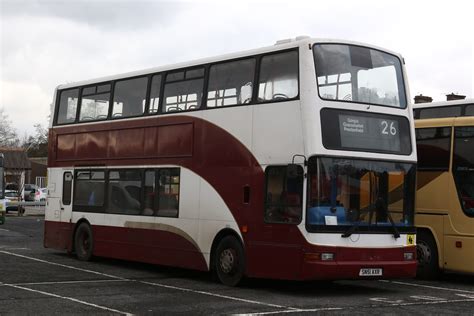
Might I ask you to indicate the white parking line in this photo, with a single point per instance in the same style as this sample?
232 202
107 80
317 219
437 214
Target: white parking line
217 295
311 310
67 298
70 282
61 265
426 303
156 284
428 286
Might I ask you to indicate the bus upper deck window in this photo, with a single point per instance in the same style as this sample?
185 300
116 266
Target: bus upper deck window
67 106
278 77
129 97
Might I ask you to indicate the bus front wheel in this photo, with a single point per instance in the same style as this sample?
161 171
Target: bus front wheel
427 256
229 261
83 242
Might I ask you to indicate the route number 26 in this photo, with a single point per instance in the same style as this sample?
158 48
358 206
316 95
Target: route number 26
388 128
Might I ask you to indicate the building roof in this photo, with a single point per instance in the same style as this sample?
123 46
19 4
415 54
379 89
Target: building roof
15 158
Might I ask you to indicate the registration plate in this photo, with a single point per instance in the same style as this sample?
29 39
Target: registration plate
370 272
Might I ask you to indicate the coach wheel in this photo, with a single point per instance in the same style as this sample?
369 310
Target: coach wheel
84 242
229 261
427 256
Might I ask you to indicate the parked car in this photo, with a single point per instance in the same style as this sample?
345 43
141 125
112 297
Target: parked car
30 192
41 194
11 198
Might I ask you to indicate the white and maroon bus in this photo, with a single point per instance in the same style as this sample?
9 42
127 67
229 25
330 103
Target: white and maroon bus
294 161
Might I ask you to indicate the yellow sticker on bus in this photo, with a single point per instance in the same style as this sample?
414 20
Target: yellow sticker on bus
410 239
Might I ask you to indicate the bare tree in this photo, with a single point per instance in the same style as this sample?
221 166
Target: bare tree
37 145
8 135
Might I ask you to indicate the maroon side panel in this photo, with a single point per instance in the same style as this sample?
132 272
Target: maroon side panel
149 144
126 143
66 147
91 145
175 140
58 235
147 245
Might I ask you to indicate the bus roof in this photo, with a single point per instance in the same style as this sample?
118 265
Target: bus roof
279 45
442 103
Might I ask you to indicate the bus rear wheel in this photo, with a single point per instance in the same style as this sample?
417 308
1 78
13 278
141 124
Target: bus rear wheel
83 242
427 256
229 261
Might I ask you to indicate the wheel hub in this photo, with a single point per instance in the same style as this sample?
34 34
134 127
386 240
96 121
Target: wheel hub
227 261
423 253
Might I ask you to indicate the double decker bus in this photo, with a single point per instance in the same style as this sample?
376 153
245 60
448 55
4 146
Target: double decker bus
445 193
294 161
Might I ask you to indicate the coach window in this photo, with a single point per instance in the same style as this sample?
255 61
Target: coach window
67 106
168 192
155 94
89 190
463 167
95 103
129 97
433 148
470 110
278 78
438 112
284 194
231 83
183 90
124 192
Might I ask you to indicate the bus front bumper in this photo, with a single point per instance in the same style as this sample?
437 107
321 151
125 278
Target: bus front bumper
350 263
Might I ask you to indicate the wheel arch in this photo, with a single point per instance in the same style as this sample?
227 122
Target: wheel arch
221 235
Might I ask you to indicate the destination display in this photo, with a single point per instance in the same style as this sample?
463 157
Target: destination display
352 130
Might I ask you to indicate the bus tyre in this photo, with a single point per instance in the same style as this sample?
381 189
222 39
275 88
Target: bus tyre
427 256
83 242
229 261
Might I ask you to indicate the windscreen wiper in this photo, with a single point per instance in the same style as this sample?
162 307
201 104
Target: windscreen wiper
396 233
351 230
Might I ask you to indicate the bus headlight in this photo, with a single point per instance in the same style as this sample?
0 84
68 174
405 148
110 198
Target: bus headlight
327 256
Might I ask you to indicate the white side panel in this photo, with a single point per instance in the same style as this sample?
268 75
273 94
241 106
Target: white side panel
237 121
53 202
214 216
277 132
189 194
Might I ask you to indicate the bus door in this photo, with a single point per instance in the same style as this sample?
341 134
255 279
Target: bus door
276 248
65 202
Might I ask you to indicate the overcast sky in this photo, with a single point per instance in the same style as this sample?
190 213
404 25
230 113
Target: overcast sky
45 43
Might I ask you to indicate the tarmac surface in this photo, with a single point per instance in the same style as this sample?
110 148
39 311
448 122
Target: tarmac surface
35 280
